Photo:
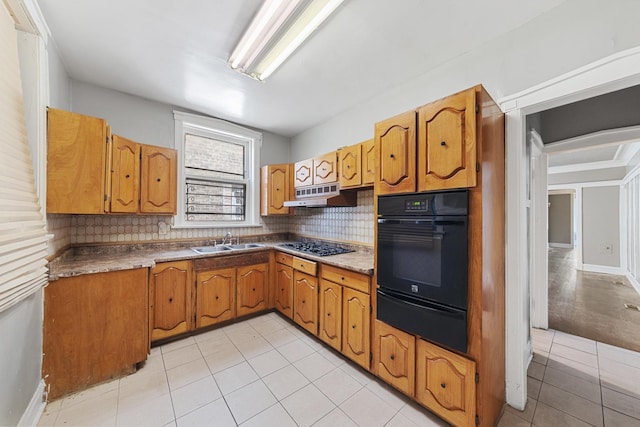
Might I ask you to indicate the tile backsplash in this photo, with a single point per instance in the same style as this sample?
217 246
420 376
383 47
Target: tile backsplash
350 224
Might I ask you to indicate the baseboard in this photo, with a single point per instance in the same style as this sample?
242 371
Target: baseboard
34 411
634 282
594 268
561 245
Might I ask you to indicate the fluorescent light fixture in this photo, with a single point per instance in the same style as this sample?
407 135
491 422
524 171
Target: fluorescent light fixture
278 29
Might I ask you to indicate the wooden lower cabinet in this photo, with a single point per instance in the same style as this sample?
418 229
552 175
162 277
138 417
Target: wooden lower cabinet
95 328
170 299
252 288
445 383
355 326
394 357
284 289
215 296
305 301
330 318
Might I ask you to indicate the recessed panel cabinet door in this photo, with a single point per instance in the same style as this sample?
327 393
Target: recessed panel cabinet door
252 284
305 301
447 143
445 383
368 162
395 141
394 353
355 326
158 183
215 296
125 175
170 302
350 164
284 289
302 173
274 189
325 168
330 320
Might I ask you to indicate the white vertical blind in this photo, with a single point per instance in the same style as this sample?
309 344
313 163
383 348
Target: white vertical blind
23 248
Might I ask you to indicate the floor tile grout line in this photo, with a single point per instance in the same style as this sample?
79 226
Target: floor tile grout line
600 384
166 374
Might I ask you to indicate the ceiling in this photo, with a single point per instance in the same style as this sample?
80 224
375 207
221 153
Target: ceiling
590 158
175 52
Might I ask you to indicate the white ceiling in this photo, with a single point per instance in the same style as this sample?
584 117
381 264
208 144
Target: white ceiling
175 52
590 158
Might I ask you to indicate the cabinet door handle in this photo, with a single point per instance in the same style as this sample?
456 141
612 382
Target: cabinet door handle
254 289
217 297
353 326
443 385
170 299
443 143
328 314
392 357
127 176
392 156
158 180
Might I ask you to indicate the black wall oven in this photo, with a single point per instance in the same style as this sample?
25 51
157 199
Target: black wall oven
422 265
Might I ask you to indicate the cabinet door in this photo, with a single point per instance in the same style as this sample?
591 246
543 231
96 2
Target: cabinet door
215 296
355 326
305 301
395 141
302 173
368 162
394 357
252 284
158 183
274 189
125 175
170 302
445 383
349 165
325 168
76 162
330 320
284 289
447 143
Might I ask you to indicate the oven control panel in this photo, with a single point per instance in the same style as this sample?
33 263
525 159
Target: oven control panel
413 205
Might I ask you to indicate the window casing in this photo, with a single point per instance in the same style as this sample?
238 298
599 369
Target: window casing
218 173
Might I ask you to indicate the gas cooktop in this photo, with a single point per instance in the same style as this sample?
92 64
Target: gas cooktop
318 249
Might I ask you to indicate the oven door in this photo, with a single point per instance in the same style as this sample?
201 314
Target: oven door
426 257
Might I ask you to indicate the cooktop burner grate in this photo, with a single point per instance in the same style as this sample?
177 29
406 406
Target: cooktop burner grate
318 249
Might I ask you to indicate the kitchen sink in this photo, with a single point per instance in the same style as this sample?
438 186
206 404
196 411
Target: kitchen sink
245 246
210 249
223 248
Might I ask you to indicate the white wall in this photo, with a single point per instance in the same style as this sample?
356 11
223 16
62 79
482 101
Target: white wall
601 226
561 219
151 122
574 34
59 81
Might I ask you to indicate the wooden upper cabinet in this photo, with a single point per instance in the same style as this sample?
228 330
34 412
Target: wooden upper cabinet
325 168
252 288
330 318
447 142
158 192
125 175
394 357
303 173
77 152
275 189
395 141
170 303
215 296
350 166
368 162
355 326
445 383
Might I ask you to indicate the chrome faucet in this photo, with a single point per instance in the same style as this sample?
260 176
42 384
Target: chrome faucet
227 236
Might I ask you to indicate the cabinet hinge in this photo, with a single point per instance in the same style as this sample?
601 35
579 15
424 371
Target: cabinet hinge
477 420
477 378
477 108
370 357
105 197
370 309
477 167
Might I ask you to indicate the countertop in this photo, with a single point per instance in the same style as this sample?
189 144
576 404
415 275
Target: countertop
102 259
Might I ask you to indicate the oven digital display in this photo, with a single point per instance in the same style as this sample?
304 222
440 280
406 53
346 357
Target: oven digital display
416 205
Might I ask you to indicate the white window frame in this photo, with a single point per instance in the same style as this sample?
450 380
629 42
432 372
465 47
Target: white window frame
221 130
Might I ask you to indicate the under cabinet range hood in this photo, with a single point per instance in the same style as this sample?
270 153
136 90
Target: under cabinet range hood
323 195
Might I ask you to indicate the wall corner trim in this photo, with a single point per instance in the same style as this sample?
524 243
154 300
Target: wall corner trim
36 406
606 269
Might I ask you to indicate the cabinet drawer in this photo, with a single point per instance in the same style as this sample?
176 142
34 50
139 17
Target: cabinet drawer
285 259
344 277
304 265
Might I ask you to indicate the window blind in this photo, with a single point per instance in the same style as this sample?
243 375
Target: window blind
23 242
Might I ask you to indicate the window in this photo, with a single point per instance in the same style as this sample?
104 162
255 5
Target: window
218 173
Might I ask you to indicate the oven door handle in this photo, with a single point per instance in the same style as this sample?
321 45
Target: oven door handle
418 221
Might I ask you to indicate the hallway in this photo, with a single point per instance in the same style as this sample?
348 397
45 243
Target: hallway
591 305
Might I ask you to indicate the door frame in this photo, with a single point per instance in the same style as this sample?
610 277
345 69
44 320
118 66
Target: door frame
615 72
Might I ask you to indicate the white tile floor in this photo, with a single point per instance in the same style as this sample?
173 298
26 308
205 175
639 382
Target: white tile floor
260 372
